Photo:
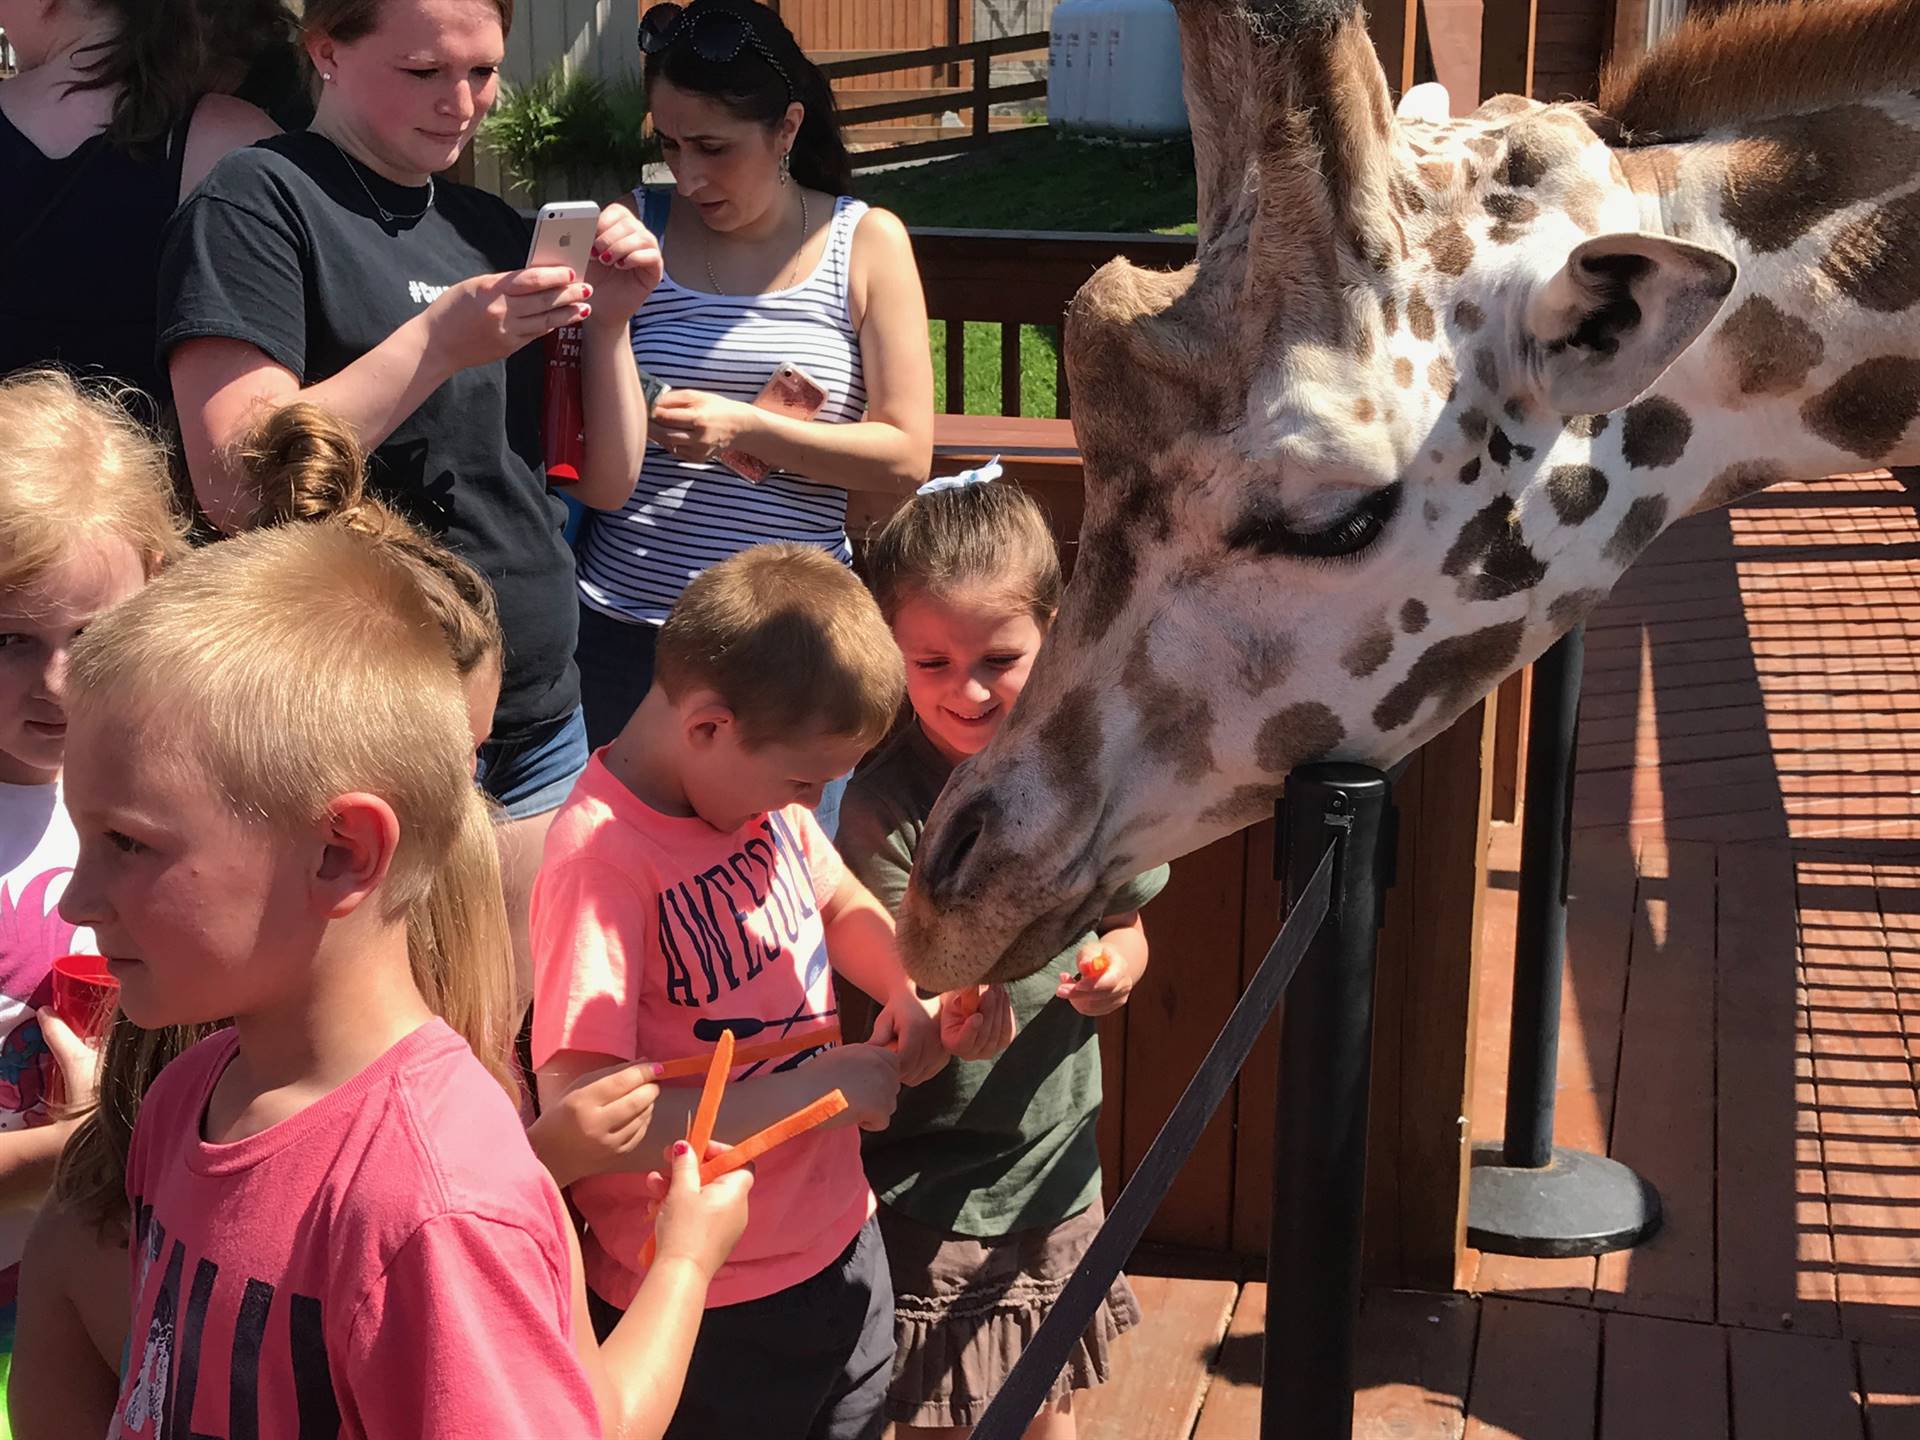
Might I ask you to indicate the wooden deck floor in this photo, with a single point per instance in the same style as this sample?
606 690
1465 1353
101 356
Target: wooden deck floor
1741 1024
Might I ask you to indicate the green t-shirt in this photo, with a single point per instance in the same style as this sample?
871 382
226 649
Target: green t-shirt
986 1147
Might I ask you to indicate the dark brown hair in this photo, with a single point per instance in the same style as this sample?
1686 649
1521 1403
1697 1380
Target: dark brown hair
349 20
751 89
990 536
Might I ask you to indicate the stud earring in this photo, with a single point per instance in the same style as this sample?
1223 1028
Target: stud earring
326 75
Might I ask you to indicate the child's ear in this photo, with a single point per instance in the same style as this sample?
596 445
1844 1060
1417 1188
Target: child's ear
704 718
360 834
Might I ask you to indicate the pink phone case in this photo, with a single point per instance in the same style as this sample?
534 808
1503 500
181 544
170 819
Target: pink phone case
790 391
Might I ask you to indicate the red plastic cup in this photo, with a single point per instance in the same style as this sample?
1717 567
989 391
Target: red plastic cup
83 993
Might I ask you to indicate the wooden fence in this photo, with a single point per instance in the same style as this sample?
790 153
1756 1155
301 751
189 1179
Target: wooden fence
979 97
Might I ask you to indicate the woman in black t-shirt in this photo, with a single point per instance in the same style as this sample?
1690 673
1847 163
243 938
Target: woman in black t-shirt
106 128
333 267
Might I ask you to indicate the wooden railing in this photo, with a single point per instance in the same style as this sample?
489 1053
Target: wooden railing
979 97
1015 278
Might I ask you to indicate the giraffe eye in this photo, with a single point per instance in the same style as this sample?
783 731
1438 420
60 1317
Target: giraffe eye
1266 529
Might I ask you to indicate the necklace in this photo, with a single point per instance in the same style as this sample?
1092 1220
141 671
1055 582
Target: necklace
387 217
793 276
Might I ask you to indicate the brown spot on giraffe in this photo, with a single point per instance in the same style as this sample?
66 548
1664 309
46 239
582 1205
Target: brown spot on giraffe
1407 195
1499 448
1769 351
1786 175
1645 518
1369 651
1470 472
1737 481
1513 214
1440 377
1419 315
1264 662
1650 170
1516 409
1655 433
1577 491
1403 371
1488 556
1390 313
1474 424
1413 617
1469 316
1302 732
1570 609
1437 174
1875 259
1247 803
1526 160
1485 146
1869 408
1451 248
1486 367
1453 671
1107 569
1070 739
1175 723
1585 425
1582 206
1363 411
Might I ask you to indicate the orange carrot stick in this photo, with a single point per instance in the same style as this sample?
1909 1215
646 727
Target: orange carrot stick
688 1065
757 1144
708 1110
1093 966
754 1146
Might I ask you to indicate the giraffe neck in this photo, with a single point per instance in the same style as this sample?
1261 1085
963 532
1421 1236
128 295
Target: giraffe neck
1812 366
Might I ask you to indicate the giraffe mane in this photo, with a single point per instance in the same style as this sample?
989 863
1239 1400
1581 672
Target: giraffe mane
1762 60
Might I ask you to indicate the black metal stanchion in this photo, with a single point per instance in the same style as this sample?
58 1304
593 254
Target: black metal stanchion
1526 1196
1326 1055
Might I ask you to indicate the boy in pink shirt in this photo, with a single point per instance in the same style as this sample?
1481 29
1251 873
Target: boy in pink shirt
686 890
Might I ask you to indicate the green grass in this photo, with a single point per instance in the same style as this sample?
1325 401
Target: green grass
1041 180
1044 180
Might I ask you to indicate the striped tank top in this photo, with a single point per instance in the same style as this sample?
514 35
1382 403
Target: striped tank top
684 516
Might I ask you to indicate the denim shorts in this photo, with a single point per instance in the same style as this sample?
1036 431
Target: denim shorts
535 773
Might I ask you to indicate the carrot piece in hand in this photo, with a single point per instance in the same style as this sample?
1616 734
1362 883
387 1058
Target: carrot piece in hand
689 1065
708 1110
1093 966
754 1146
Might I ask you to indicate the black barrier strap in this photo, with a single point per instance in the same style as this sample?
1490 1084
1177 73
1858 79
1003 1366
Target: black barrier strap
1026 1387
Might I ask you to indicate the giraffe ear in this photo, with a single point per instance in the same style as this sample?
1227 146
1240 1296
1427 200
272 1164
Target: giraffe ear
1618 313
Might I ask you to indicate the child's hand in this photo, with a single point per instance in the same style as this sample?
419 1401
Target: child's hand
1104 981
869 1076
601 1118
976 1023
912 1027
78 1059
695 1222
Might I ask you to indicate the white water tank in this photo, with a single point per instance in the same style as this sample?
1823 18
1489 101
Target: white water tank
1114 68
1067 64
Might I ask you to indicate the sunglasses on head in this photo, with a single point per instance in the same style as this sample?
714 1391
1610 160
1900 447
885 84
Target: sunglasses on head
716 36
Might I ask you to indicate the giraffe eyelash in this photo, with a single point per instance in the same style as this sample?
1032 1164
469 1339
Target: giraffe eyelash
1267 530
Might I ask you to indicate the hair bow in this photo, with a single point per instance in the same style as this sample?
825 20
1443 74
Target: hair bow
979 475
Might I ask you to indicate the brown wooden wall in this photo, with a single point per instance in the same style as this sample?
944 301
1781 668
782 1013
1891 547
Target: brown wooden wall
839 29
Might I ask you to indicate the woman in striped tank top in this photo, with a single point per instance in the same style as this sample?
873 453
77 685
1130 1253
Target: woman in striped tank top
769 261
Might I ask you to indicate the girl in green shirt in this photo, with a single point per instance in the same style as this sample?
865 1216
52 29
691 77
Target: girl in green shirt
989 1174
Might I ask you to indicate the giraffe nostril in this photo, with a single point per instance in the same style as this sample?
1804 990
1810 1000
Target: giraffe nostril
940 867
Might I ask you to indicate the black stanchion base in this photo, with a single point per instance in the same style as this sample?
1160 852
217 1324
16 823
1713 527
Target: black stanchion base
1579 1204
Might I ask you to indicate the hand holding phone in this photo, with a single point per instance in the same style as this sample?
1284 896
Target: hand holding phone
789 391
563 235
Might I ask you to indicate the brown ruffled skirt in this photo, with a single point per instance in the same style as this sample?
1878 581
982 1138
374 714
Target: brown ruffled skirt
964 1309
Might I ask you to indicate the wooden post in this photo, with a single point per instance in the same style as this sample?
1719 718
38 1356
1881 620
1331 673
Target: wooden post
982 84
1394 26
1629 30
1508 29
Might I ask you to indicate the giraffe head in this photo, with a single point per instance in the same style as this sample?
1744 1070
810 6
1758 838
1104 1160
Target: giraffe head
1395 430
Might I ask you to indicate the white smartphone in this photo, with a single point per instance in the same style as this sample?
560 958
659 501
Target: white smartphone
563 235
